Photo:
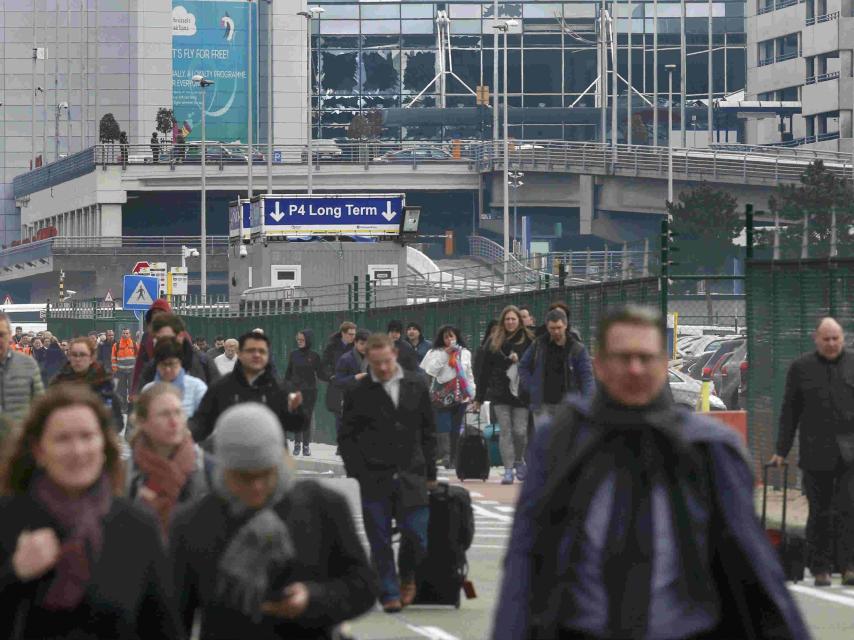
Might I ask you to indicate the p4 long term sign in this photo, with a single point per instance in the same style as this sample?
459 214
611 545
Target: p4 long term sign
325 214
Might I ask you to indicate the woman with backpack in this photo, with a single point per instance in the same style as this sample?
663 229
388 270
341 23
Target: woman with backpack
499 383
452 387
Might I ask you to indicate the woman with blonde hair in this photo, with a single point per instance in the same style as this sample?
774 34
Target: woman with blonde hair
77 560
166 467
498 382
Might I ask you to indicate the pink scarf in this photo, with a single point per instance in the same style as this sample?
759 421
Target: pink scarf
81 520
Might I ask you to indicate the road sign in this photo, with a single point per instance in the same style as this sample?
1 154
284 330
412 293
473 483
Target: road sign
277 157
109 296
347 214
139 292
158 270
177 282
7 300
141 268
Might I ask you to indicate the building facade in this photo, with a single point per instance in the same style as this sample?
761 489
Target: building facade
802 50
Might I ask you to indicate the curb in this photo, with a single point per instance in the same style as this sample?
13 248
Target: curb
320 466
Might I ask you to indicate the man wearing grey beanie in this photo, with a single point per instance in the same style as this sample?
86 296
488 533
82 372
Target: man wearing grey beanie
258 557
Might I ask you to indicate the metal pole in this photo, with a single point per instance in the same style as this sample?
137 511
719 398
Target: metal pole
833 237
654 73
711 80
614 83
33 110
506 201
683 61
269 96
251 119
629 77
776 254
204 243
670 68
310 141
603 74
495 75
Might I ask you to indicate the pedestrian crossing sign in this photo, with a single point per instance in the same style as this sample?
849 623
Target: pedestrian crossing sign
139 292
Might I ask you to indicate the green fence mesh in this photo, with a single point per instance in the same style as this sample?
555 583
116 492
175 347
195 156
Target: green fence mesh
785 301
587 303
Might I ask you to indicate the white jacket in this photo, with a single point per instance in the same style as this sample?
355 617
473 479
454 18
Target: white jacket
435 365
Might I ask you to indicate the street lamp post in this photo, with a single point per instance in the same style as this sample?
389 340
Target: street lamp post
504 27
204 83
269 96
515 182
250 116
59 108
670 68
312 12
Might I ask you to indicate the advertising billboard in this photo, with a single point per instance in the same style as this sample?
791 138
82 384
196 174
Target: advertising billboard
211 38
348 214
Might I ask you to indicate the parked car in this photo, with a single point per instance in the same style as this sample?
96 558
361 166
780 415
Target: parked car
729 377
215 153
323 149
415 155
686 391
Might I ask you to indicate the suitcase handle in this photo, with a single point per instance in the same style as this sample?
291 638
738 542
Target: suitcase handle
785 472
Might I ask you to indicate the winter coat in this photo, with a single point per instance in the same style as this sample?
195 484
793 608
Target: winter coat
194 363
578 369
380 442
333 351
192 391
492 382
144 356
406 355
304 366
20 384
749 579
349 366
98 381
224 365
104 354
234 389
213 352
198 483
435 364
54 361
421 348
819 408
130 594
330 561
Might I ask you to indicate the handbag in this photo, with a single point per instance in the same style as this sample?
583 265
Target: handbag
513 376
445 395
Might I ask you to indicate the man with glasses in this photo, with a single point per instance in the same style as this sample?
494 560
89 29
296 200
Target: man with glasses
636 519
250 381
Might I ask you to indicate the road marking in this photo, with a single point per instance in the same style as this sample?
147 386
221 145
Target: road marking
480 535
505 509
487 546
489 514
475 494
434 633
488 502
848 601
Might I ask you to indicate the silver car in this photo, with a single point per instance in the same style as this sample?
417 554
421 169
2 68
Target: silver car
686 391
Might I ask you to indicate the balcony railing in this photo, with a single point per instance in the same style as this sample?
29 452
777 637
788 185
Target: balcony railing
768 8
791 55
827 17
822 77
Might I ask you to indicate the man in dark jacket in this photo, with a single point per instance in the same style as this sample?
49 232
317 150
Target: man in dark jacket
251 381
637 518
388 443
819 400
406 355
196 364
416 340
105 350
353 365
303 372
266 556
337 345
217 350
554 365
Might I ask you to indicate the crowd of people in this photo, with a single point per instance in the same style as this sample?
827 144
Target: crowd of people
203 522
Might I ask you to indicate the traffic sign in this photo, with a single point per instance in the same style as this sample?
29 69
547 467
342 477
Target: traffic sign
109 296
277 156
139 292
141 268
7 299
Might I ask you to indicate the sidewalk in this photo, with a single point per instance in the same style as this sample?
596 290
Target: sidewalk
322 460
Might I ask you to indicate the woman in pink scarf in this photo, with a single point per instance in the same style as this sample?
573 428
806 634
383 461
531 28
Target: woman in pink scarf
75 559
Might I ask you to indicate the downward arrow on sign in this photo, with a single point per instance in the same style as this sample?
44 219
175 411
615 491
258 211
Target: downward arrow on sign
277 215
388 214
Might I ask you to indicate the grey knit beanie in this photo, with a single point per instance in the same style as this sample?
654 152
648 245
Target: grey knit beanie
248 436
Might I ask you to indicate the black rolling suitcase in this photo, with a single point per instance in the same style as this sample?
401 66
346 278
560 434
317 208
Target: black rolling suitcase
791 548
442 574
473 454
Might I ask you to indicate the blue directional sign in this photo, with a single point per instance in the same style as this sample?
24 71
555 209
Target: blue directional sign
277 157
347 214
139 292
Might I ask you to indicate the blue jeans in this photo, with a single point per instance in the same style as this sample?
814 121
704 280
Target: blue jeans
377 515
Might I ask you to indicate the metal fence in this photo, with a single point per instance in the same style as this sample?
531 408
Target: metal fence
785 301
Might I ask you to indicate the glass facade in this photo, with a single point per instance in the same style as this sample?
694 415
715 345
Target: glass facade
379 55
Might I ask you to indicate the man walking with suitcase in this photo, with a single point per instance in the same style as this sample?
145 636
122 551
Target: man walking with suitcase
819 400
388 444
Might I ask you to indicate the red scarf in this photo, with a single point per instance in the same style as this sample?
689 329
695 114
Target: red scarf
80 519
165 477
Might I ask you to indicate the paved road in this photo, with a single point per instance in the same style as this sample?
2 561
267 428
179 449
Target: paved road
829 612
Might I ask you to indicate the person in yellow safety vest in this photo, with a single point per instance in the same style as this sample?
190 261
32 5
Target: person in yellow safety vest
124 359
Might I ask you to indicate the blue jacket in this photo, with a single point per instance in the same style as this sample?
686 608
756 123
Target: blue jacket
192 391
752 575
533 364
345 371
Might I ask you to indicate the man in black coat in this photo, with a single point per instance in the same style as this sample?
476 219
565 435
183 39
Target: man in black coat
105 350
819 400
406 355
250 381
338 344
196 364
388 443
